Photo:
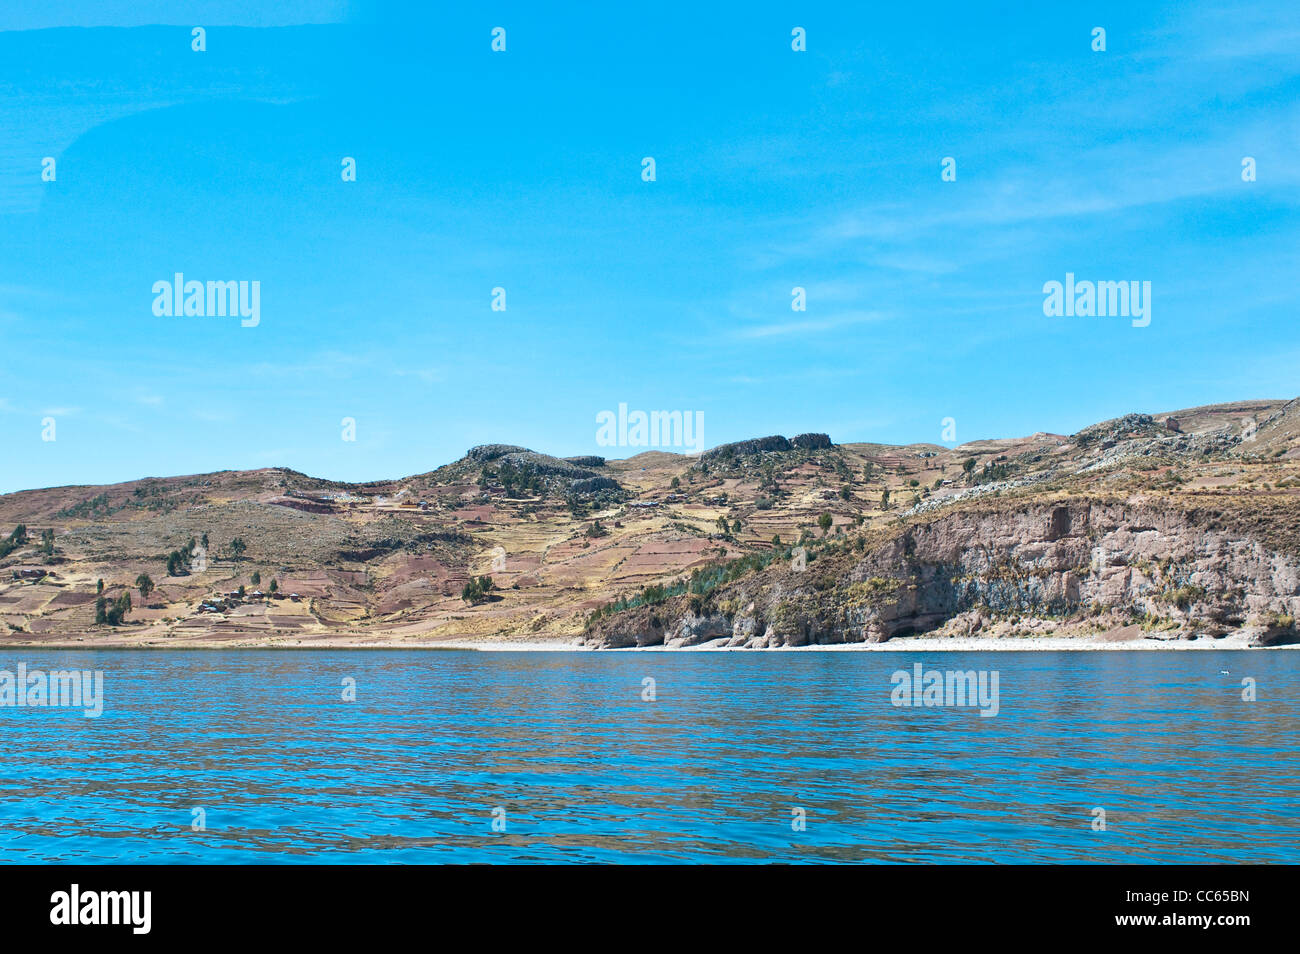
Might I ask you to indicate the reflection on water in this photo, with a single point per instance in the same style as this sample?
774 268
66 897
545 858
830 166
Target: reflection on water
586 771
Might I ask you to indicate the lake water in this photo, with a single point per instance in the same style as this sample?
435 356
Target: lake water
716 768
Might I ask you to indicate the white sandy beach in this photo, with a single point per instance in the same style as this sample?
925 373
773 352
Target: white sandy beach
1116 640
1235 641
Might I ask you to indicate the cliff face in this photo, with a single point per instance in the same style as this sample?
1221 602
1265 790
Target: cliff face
1182 570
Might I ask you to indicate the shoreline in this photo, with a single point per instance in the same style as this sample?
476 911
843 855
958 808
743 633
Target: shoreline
900 644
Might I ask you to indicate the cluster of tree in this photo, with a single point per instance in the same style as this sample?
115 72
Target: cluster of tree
597 529
477 589
651 595
95 506
825 521
47 542
12 542
112 613
995 470
725 528
178 561
256 579
144 584
520 481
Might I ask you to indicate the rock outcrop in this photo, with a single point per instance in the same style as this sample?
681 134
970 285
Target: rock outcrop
1188 570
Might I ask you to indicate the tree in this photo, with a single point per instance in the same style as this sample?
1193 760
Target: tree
723 525
884 499
13 541
824 521
477 589
257 577
274 586
145 585
735 526
112 613
776 539
205 539
47 542
676 482
968 465
237 547
846 493
175 563
99 587
241 589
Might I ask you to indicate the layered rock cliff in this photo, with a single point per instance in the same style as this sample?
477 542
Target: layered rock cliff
1076 562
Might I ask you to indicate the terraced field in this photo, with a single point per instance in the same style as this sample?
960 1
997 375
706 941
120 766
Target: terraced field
389 560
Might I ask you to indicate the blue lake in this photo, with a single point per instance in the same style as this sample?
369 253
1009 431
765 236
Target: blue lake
717 768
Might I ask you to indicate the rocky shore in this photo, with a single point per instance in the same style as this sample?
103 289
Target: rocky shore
1074 570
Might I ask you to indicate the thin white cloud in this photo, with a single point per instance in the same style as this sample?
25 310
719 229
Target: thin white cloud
811 325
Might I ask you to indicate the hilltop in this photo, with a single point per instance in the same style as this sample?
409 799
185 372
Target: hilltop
1180 523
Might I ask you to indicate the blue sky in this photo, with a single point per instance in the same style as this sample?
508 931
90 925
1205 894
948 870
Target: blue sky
522 169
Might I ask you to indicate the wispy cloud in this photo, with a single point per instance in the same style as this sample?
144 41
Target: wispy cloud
427 375
808 326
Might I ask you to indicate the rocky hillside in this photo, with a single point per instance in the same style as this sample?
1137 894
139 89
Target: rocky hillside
1178 523
1072 565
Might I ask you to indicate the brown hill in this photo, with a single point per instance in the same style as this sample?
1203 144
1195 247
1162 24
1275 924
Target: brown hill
389 560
